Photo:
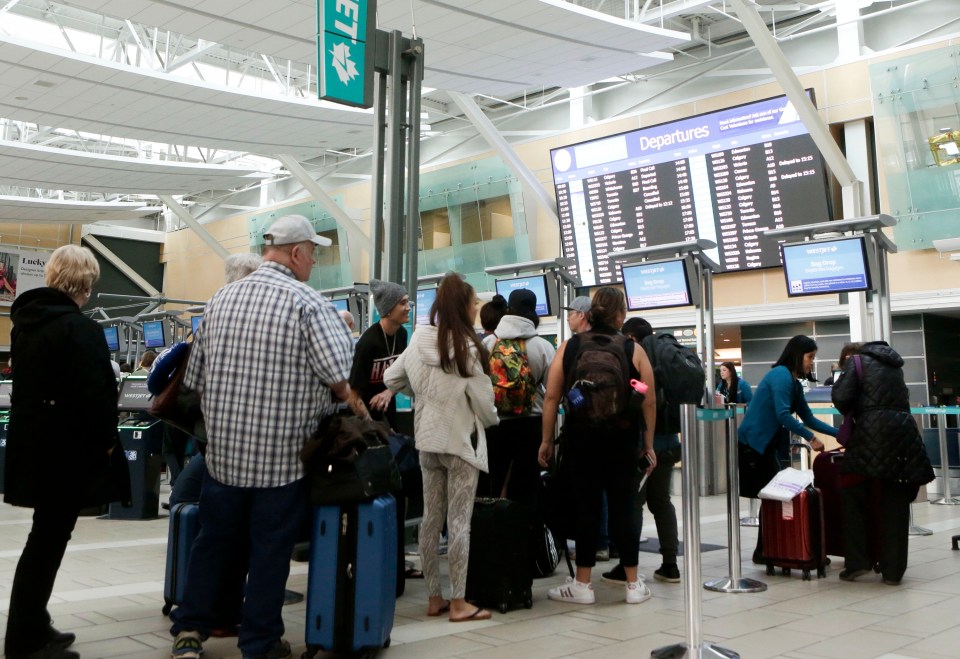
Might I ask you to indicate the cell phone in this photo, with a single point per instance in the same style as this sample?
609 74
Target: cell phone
644 462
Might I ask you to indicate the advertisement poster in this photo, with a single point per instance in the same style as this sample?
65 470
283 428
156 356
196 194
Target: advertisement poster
20 271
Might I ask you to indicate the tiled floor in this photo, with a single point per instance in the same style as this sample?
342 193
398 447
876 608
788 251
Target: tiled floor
110 593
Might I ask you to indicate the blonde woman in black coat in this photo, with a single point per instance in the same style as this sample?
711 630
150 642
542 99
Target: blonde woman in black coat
63 428
886 452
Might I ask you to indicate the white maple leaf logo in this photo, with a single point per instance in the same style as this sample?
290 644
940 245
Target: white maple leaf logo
346 68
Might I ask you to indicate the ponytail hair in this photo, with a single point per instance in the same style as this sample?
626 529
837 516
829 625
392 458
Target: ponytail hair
451 313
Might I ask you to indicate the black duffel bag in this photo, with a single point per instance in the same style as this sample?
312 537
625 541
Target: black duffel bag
348 460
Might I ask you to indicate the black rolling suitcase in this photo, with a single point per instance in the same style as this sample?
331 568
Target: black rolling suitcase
182 531
499 571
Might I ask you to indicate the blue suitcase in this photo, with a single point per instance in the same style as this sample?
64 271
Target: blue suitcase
351 591
183 530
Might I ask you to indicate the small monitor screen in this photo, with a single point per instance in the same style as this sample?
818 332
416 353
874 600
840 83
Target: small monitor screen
6 387
425 298
341 304
826 266
656 285
153 334
536 283
112 334
195 323
134 395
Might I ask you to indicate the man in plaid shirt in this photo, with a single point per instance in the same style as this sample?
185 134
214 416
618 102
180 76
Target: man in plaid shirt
272 359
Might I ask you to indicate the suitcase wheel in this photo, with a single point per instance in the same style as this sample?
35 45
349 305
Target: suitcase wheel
504 607
821 573
167 606
386 643
806 575
770 570
528 603
785 571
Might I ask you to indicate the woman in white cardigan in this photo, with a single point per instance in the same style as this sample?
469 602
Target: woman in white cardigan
445 369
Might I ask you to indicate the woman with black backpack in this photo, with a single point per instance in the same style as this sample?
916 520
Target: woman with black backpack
604 419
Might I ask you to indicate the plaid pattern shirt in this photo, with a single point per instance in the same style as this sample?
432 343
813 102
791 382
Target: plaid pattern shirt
269 348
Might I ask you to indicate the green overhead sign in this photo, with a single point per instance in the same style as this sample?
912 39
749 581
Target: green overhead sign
345 36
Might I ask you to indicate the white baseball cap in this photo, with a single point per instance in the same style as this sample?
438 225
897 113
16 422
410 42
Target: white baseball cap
291 229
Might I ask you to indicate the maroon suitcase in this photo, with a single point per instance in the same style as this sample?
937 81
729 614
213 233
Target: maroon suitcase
829 479
793 534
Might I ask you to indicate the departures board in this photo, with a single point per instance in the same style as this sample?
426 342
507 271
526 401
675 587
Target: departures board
723 176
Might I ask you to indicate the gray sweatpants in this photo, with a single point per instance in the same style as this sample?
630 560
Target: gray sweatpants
449 487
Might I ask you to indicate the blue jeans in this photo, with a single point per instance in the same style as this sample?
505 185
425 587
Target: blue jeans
269 520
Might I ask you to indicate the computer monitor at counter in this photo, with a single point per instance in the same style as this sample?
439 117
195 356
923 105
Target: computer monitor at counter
154 334
134 395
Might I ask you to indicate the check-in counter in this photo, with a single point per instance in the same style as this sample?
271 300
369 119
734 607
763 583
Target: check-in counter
141 437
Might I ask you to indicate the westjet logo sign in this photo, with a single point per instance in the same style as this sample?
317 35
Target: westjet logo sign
345 35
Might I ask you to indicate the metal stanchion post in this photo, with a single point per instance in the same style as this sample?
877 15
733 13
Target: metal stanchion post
694 645
948 498
734 583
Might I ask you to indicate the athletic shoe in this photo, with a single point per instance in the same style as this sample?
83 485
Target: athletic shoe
187 645
616 575
669 573
603 555
574 592
637 592
619 575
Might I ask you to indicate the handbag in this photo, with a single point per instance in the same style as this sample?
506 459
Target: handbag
348 460
847 425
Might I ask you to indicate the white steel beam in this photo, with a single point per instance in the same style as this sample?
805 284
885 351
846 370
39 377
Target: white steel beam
496 141
775 59
120 265
192 222
192 55
357 237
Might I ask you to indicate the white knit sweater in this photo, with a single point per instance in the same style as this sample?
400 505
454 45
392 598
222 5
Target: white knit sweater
448 407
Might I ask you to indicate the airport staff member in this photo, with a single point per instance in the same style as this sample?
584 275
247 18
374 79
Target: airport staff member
271 361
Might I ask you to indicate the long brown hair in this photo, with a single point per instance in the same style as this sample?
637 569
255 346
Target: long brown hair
451 315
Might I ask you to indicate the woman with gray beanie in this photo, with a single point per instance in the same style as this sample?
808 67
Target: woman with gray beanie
379 347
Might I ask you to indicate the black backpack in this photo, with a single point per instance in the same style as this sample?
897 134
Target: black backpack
601 371
678 372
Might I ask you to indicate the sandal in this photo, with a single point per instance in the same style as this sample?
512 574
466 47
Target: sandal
478 614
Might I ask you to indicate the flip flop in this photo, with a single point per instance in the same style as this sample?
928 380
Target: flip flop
478 614
443 609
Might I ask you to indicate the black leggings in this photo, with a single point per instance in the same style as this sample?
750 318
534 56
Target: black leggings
605 461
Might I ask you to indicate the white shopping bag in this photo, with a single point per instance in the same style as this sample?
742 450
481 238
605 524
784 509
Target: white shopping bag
787 484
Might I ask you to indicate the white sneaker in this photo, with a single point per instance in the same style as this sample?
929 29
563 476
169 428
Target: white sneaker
638 592
574 592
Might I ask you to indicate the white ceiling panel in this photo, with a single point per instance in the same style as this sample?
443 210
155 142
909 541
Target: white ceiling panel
60 169
28 210
458 37
197 114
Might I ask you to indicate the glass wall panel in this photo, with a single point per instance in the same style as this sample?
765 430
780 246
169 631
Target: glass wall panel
917 119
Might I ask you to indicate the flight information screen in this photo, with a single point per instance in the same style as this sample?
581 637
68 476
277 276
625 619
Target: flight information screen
723 176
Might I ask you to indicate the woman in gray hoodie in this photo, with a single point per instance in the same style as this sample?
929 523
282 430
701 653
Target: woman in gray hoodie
516 440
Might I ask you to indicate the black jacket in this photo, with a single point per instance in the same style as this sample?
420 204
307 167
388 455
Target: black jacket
886 442
63 412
